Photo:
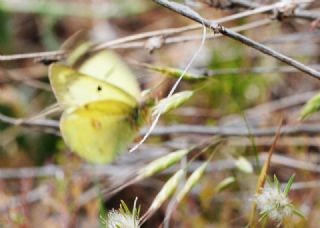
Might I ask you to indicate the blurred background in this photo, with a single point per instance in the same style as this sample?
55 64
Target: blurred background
43 184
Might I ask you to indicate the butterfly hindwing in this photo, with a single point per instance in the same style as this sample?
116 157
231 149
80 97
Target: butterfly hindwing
99 131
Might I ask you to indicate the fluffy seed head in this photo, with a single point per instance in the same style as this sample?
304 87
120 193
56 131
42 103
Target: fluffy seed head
275 203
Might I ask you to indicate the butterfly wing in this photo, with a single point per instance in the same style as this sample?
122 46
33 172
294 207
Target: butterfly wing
101 130
107 66
73 89
100 101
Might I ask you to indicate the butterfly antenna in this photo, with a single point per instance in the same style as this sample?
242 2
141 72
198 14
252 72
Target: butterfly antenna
173 89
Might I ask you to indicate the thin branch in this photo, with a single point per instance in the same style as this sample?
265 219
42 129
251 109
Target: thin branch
188 38
38 123
262 111
31 197
100 171
38 55
182 129
173 31
128 41
257 112
300 14
187 12
234 131
304 184
114 170
30 82
253 70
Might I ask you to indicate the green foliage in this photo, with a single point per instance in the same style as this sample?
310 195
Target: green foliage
8 111
244 165
174 73
5 31
311 107
225 183
49 37
233 93
176 100
192 181
162 163
45 147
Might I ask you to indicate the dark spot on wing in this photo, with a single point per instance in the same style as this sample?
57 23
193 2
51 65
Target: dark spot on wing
99 88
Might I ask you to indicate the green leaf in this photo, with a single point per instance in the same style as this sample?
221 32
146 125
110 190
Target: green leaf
162 163
167 190
225 183
298 213
167 104
312 106
276 183
124 208
192 181
243 165
288 186
264 215
173 72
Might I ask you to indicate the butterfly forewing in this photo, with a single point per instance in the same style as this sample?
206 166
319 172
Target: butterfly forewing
73 89
107 66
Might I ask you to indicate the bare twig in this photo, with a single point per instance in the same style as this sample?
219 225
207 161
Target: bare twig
188 38
31 82
304 185
262 111
132 41
172 31
298 13
128 41
187 12
114 170
255 113
30 197
253 70
293 141
52 54
38 123
234 131
183 129
110 170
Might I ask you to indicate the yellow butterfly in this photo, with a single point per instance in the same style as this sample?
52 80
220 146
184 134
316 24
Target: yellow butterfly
100 99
